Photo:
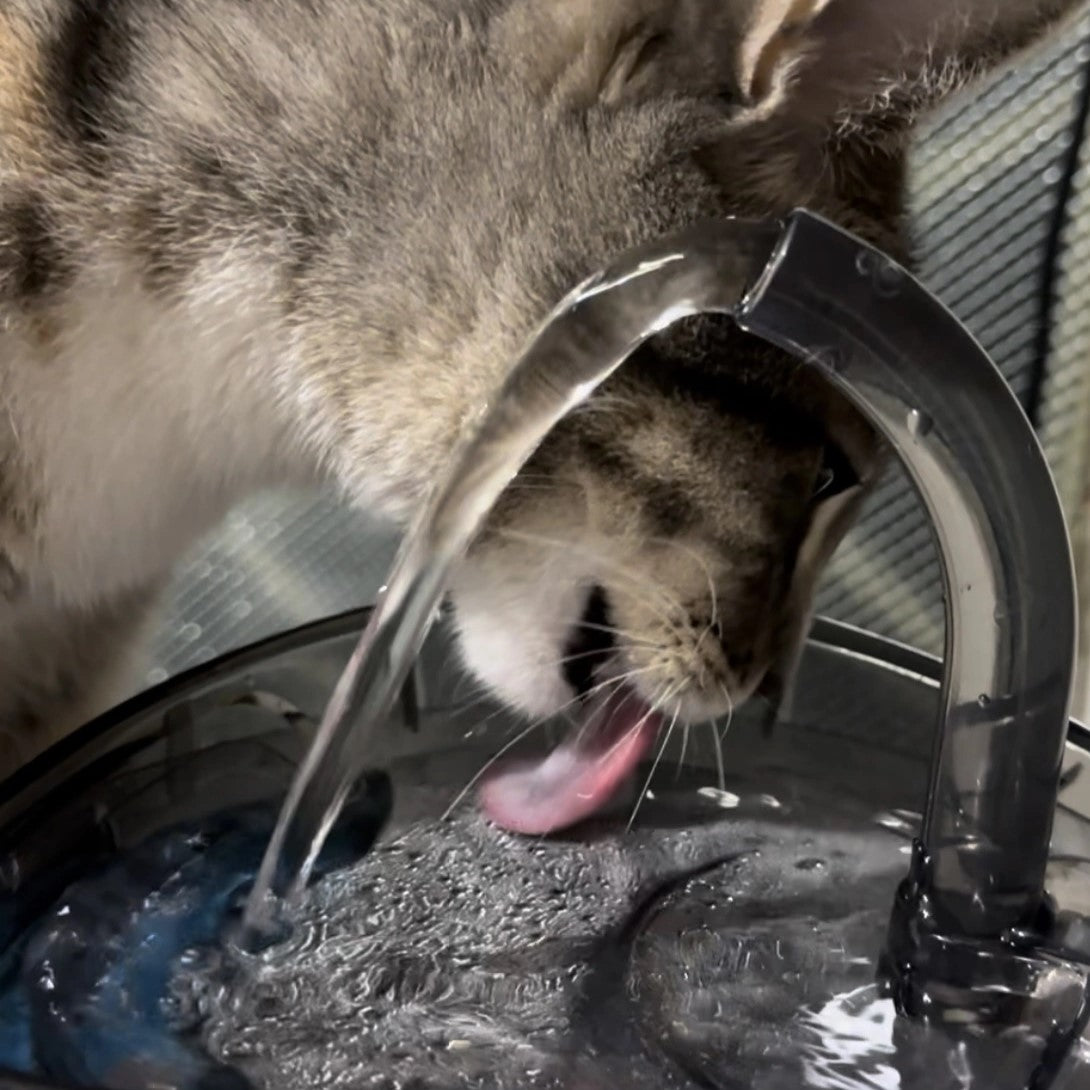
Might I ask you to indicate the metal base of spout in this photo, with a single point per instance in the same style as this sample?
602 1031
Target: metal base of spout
935 970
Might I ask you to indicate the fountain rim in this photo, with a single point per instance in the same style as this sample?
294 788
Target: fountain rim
884 651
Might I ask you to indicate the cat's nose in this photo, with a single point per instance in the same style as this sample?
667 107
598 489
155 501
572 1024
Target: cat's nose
590 643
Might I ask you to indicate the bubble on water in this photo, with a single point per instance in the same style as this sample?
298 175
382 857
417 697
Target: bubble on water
919 424
901 822
725 799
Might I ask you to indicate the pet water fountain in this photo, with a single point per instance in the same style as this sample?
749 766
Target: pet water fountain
890 891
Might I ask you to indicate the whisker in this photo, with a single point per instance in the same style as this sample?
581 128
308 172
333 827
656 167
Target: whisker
684 750
506 748
569 658
617 682
634 729
651 774
468 685
730 710
578 698
634 641
718 747
615 567
598 695
703 563
703 662
563 710
704 632
638 592
501 710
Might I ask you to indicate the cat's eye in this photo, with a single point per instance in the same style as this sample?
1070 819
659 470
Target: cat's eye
836 474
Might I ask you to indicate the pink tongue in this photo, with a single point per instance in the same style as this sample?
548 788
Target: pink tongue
579 777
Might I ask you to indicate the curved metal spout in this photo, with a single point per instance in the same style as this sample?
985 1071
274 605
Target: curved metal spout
919 376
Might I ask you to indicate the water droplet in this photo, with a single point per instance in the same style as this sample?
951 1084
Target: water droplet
888 279
726 799
919 424
884 275
810 864
864 263
897 822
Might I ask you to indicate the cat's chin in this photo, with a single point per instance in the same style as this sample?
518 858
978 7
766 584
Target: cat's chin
578 778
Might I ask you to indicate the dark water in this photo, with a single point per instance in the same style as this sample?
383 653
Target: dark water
728 941
82 991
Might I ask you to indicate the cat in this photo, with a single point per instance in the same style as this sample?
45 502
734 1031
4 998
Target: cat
249 244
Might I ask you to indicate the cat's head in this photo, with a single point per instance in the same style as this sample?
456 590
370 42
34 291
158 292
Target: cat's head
667 538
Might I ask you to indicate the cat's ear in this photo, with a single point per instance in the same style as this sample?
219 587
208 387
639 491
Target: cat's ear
615 51
825 61
876 63
774 40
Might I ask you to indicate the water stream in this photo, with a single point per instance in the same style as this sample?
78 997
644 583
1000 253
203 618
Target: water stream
706 269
